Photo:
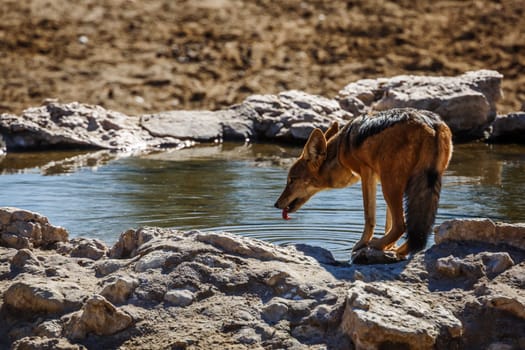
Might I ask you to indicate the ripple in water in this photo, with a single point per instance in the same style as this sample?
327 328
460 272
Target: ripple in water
233 188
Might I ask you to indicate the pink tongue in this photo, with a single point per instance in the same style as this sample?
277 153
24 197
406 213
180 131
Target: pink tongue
285 214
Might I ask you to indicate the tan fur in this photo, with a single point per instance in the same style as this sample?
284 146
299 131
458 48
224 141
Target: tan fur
391 156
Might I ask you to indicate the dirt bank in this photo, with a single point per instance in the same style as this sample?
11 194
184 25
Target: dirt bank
137 57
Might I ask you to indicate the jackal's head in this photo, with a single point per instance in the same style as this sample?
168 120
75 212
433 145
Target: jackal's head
304 177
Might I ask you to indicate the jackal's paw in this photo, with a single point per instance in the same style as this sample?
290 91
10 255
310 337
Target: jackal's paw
358 246
369 256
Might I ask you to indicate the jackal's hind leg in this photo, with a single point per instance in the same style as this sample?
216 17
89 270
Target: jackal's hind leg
388 222
394 200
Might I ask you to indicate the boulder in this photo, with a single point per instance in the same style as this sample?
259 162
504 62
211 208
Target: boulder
467 103
453 267
43 296
199 125
378 315
76 125
481 230
93 249
503 298
23 229
507 128
97 316
130 240
117 289
291 115
25 261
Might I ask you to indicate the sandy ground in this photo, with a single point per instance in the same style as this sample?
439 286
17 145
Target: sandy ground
146 56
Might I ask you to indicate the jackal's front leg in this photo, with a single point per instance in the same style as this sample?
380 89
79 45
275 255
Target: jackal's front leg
369 184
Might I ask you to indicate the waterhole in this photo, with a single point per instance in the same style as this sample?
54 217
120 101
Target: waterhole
232 187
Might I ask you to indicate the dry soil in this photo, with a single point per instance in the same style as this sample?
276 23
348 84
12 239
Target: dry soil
146 56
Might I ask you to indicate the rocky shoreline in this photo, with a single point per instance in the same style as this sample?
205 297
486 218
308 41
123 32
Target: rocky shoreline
467 103
161 288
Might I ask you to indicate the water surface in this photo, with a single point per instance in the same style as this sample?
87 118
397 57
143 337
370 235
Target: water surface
233 188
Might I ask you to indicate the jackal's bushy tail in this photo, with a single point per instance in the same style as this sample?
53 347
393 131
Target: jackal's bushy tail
421 204
423 189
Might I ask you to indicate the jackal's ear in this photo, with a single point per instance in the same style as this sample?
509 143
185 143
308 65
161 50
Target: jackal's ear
332 130
315 149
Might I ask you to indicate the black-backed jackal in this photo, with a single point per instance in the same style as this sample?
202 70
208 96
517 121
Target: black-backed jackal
407 150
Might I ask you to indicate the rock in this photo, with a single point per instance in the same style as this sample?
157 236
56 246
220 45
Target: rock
23 229
288 116
291 115
274 311
105 267
367 255
49 329
14 241
326 315
371 309
42 296
496 263
130 241
153 260
467 103
246 247
513 305
45 343
118 289
24 260
179 297
196 289
248 336
93 249
76 125
199 125
97 316
322 255
507 128
481 230
195 125
453 267
468 270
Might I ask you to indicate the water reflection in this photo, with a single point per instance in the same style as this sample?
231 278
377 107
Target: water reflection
54 162
232 187
488 180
